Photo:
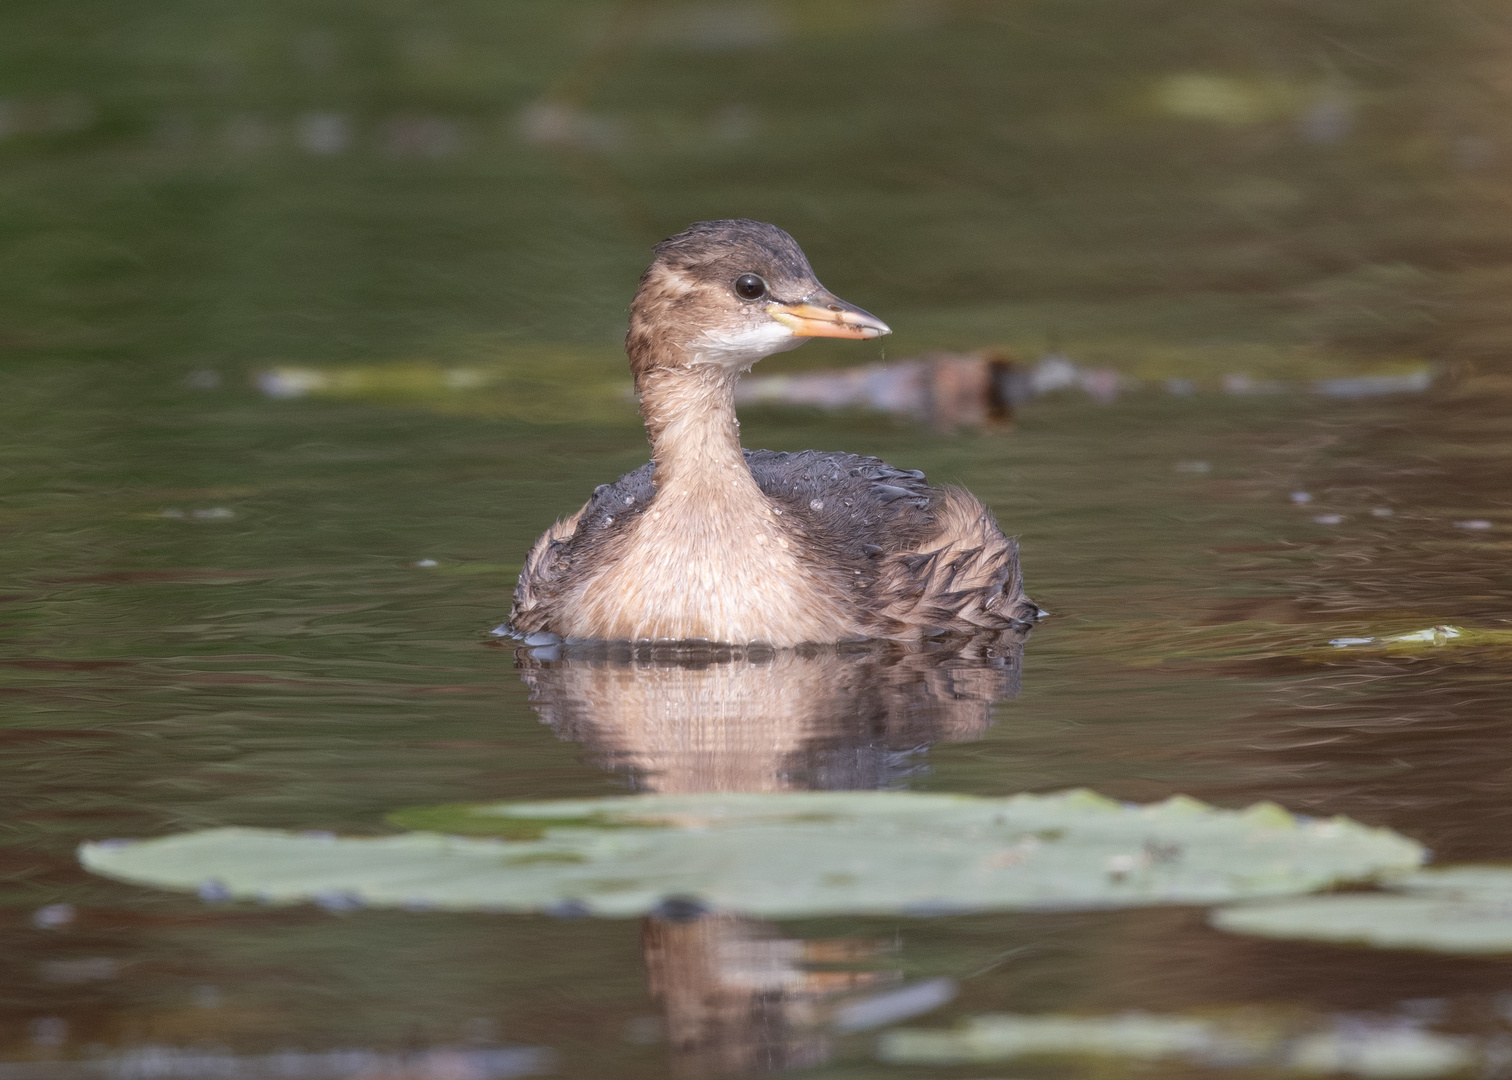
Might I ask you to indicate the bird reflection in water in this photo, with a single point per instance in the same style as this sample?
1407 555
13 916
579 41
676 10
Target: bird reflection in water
738 996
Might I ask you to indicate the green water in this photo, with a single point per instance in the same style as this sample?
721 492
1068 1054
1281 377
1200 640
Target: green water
212 609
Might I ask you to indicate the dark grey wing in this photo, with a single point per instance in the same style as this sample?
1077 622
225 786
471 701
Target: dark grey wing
918 556
862 504
613 507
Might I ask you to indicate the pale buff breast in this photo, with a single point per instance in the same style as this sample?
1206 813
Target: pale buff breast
706 562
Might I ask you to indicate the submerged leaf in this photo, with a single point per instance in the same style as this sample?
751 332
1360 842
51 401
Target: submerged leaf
1464 909
785 855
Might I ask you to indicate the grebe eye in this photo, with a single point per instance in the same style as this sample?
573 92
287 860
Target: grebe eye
750 287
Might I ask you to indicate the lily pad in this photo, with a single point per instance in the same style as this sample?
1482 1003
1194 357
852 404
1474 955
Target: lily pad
1464 909
1376 1051
783 855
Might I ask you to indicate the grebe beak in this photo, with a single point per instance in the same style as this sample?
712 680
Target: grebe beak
825 315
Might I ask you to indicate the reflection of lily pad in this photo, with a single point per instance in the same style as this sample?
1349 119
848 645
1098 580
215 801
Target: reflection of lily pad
1375 1051
785 855
1466 909
471 819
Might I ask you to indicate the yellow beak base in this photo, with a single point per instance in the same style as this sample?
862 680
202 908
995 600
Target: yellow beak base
836 321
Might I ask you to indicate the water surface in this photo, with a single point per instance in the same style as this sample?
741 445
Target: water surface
229 602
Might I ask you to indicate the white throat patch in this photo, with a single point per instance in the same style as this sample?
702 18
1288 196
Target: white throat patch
745 348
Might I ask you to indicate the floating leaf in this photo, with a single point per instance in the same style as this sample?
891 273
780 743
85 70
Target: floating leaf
1375 1051
996 1038
1489 882
1432 637
539 384
783 855
1380 1054
1465 909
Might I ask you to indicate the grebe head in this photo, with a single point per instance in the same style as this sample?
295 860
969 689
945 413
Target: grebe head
727 293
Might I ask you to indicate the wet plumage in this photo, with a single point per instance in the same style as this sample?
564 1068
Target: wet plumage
712 542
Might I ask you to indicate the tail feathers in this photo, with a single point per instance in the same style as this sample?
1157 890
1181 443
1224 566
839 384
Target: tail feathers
968 583
539 577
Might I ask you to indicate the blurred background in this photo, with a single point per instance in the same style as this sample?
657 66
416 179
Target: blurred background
311 318
1166 188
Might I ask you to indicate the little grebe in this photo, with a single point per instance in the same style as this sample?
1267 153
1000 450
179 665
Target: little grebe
714 543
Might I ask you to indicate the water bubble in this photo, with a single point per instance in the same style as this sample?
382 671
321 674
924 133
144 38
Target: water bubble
284 383
424 564
1053 372
1328 519
1301 498
1473 523
53 916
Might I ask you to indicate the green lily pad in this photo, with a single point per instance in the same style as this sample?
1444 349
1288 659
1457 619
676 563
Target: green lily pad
1464 909
783 855
1378 1052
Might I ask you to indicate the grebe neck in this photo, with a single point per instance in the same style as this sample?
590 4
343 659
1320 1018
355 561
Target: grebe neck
695 437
